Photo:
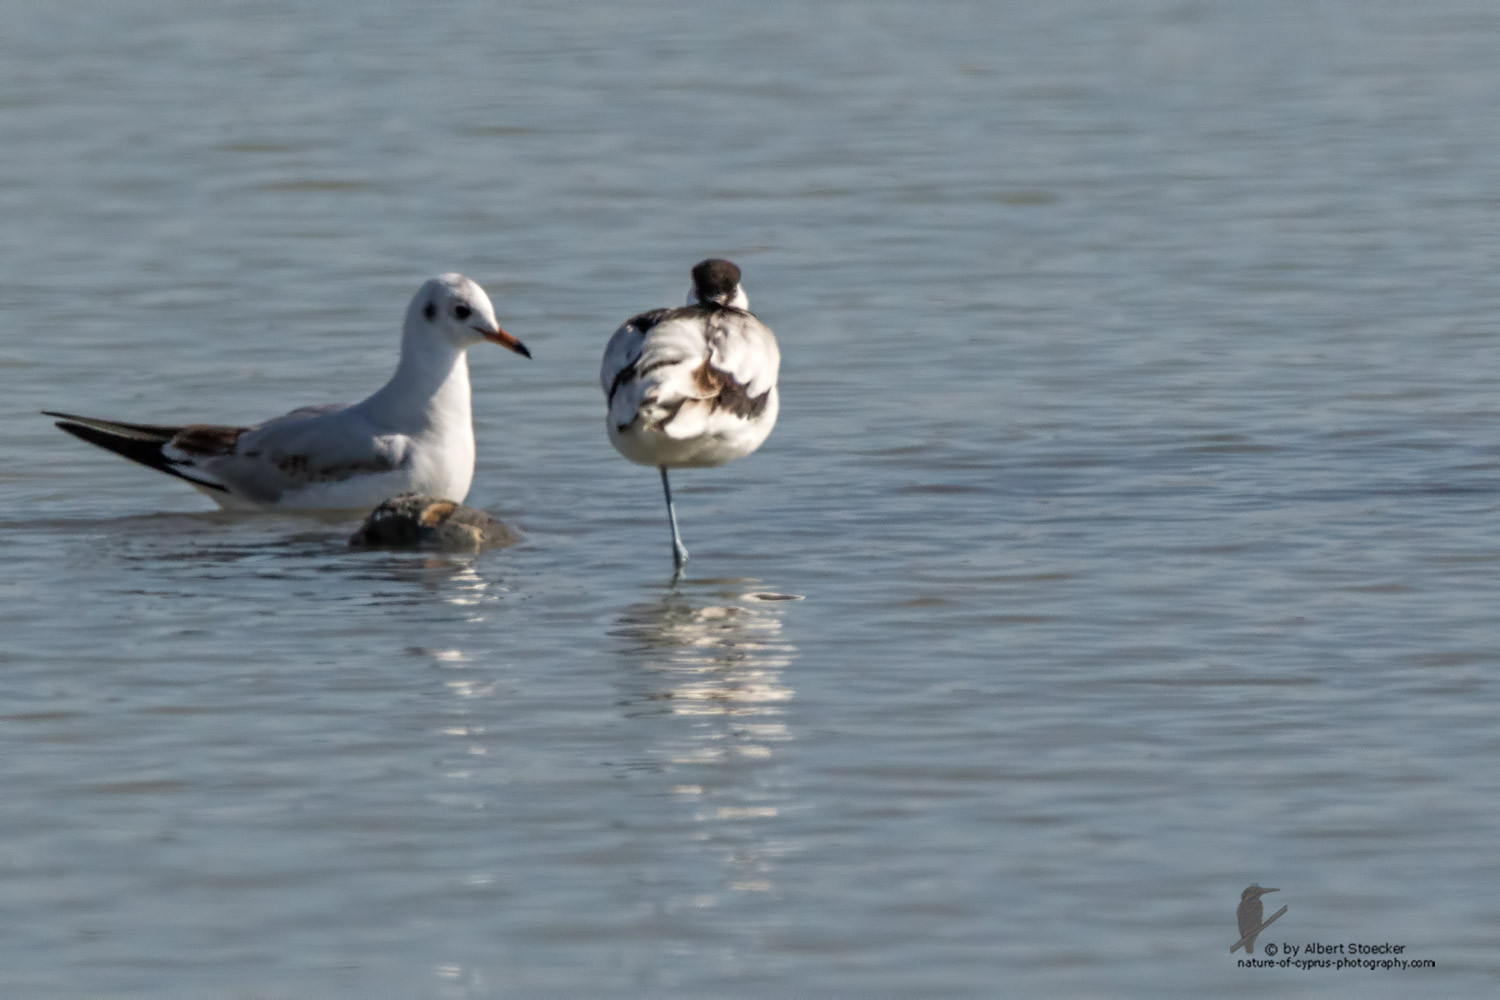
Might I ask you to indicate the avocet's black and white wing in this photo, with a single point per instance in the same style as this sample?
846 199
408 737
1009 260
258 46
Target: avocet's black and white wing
692 386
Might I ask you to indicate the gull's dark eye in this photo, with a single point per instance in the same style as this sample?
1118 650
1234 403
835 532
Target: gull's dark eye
462 312
429 311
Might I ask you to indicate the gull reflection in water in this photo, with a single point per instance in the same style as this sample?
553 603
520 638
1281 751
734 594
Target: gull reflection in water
711 656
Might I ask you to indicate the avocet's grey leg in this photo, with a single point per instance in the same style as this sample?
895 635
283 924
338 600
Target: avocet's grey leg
679 551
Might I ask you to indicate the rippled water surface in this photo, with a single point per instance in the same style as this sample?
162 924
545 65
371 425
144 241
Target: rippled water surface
1129 534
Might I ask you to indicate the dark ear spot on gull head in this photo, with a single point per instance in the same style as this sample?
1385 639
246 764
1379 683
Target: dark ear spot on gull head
429 312
715 280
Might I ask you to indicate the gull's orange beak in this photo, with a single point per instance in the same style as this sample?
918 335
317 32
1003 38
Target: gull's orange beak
499 336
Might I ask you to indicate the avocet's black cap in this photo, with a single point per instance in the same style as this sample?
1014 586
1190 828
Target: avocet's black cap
715 279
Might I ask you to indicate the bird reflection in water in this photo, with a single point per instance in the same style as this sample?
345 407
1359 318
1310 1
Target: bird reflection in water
711 655
451 580
441 596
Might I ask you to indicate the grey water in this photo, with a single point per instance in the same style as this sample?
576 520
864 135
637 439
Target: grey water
1128 536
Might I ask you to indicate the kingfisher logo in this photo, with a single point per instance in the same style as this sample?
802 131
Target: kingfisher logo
1249 915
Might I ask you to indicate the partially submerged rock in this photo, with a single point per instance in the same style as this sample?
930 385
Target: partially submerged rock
415 521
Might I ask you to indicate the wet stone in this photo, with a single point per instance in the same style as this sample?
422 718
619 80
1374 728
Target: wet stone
415 521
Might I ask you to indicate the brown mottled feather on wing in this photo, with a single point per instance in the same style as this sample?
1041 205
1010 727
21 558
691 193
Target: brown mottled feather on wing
300 468
724 393
207 440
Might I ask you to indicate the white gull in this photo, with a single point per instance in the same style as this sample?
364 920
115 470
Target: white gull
416 433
